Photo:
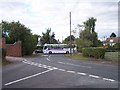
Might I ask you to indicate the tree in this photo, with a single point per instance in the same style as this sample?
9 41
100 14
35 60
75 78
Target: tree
47 38
89 31
15 31
35 39
67 40
82 43
113 35
90 24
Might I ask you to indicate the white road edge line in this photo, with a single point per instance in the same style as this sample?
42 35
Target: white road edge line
94 76
81 73
61 69
108 79
12 82
71 71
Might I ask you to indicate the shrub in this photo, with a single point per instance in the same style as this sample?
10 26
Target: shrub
95 52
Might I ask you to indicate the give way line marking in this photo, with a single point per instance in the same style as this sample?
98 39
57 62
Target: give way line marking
28 77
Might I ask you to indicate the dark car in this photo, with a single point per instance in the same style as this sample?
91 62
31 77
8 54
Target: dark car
38 51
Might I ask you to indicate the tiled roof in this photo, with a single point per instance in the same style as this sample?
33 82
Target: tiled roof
113 40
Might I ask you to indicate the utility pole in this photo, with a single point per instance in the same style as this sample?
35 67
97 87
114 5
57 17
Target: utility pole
70 33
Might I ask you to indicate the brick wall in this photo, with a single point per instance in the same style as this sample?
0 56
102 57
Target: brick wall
14 49
2 43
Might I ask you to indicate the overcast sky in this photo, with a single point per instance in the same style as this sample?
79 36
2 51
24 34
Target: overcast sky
39 15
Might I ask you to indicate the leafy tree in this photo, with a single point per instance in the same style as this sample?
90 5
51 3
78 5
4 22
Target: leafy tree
35 39
82 43
90 24
89 31
47 38
67 40
100 44
15 31
113 35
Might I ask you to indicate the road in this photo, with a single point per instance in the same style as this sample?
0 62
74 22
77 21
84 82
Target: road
58 71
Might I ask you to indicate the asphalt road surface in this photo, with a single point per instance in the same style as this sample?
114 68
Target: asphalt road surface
58 71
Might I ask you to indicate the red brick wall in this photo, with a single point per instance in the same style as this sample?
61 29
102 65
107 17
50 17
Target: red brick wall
2 43
14 49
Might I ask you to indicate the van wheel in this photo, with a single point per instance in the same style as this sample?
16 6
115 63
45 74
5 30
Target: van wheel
67 52
50 52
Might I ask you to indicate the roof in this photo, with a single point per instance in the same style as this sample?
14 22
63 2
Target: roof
113 40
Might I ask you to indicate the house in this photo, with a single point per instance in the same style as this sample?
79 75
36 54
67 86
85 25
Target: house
111 41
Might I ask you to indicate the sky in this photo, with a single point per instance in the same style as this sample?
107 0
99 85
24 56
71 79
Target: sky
38 15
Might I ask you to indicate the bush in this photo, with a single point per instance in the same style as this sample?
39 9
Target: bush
95 52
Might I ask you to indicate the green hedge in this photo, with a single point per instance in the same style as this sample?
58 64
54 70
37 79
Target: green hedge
95 52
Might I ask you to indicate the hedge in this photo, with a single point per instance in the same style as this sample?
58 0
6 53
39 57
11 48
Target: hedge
95 52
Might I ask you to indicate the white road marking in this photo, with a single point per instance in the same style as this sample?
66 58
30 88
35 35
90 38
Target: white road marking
48 59
61 62
36 64
32 63
74 65
108 79
62 69
44 65
49 56
49 66
71 71
94 76
39 66
12 82
81 73
24 61
53 68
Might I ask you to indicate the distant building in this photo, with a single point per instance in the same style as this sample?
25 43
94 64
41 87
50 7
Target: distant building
111 41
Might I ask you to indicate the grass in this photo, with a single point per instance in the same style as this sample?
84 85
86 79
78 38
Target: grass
112 56
77 56
109 56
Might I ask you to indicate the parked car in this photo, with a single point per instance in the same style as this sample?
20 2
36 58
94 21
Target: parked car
38 51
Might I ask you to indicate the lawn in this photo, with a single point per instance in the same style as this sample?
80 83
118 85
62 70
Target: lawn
77 56
109 56
113 56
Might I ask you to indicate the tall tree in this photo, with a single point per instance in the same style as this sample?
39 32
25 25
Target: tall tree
35 39
90 24
89 31
48 38
14 31
113 35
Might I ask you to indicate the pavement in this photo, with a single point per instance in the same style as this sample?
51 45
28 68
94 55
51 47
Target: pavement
58 71
13 59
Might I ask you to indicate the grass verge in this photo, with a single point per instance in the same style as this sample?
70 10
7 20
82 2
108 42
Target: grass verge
112 56
77 56
109 56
